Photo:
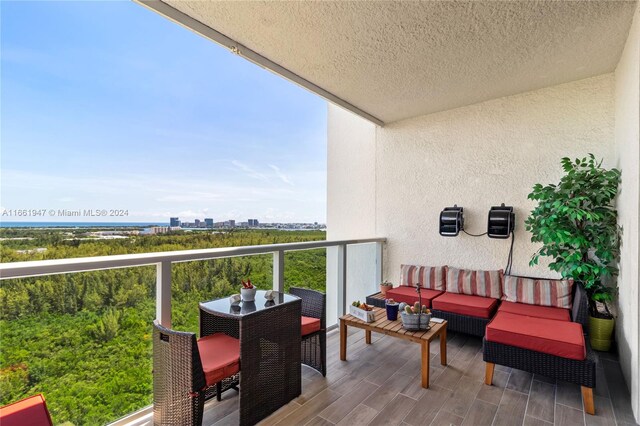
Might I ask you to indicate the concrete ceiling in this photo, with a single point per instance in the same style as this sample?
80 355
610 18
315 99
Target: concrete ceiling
395 60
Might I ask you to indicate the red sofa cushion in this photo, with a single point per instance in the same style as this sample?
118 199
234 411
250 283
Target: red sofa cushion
220 356
409 295
559 338
463 304
30 411
310 325
558 314
432 277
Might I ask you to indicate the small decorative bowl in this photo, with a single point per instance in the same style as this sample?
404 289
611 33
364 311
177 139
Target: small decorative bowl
235 300
269 295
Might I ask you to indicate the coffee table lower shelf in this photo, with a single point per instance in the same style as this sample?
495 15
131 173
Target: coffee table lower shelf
394 329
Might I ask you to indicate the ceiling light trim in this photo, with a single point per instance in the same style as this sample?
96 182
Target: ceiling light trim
207 32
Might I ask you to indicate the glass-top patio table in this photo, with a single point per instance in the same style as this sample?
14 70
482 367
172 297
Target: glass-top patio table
269 334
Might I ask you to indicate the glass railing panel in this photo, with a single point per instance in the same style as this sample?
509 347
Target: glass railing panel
361 272
201 281
83 340
306 268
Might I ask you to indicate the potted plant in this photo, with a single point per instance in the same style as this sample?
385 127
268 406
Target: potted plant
576 222
415 317
248 291
385 286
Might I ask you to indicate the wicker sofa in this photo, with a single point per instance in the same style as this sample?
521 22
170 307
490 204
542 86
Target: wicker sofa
546 341
466 299
531 324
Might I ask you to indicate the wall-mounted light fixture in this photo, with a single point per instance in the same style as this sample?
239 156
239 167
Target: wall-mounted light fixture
451 221
501 221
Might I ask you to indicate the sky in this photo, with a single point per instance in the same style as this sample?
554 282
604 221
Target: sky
110 106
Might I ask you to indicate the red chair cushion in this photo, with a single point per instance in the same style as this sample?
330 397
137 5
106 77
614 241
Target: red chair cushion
408 295
30 411
548 312
464 304
310 325
559 338
220 356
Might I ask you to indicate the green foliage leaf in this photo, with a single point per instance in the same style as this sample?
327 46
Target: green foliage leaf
576 222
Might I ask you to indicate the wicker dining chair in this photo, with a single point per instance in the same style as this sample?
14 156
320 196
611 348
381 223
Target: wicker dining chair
185 370
314 328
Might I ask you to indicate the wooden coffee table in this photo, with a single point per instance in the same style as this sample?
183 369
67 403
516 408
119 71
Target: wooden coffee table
394 329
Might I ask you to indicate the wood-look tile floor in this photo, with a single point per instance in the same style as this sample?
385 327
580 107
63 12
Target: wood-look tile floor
379 384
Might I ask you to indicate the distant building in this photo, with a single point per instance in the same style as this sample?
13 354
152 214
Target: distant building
253 222
229 223
155 230
174 221
197 223
208 222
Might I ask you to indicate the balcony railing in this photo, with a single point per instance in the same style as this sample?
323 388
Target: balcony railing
357 262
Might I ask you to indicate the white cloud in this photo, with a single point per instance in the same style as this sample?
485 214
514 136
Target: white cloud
281 175
249 171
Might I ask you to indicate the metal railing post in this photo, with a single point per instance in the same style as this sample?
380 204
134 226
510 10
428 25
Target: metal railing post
278 271
379 263
342 279
163 293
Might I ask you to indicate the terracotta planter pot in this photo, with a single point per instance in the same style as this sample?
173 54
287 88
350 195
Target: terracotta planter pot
600 331
385 288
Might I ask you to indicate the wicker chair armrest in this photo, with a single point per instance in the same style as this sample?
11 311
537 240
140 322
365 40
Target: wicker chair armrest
314 303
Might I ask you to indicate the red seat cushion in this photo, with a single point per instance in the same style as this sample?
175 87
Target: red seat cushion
310 325
408 295
30 411
464 304
559 338
220 355
548 312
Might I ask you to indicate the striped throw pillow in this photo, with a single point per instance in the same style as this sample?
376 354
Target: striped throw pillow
432 277
475 283
537 291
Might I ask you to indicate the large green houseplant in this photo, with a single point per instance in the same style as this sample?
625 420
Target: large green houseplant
576 222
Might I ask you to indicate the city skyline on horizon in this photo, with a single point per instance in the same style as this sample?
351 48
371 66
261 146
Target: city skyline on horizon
111 106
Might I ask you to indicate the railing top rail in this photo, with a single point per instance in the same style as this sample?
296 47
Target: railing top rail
83 264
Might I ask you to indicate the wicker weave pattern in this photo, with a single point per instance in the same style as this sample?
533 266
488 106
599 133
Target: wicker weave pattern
210 324
314 345
270 360
177 372
570 370
462 323
269 356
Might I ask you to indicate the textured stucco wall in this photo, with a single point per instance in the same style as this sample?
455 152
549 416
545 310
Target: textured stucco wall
350 175
479 156
627 135
475 156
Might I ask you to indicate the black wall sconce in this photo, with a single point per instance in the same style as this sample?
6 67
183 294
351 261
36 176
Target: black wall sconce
451 221
501 221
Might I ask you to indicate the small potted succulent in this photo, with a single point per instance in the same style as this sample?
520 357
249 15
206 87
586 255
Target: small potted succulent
415 317
385 286
392 309
248 291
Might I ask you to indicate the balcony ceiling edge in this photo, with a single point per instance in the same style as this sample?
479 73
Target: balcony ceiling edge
390 61
217 37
